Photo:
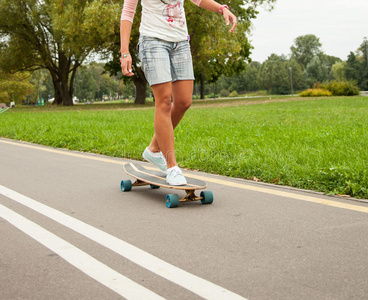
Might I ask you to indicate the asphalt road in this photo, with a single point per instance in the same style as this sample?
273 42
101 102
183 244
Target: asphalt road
67 231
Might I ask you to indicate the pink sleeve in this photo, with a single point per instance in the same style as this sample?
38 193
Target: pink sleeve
128 11
196 2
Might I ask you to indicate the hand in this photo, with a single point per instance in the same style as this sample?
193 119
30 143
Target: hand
229 18
126 65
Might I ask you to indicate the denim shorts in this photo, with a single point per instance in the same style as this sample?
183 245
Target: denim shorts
163 61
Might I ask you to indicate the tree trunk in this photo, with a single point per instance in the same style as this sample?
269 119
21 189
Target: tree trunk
140 83
65 92
63 83
202 85
58 99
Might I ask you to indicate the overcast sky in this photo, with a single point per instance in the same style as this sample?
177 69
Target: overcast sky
340 25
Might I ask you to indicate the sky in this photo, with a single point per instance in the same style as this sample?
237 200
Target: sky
340 26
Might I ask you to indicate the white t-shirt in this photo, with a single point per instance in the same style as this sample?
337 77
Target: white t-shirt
163 19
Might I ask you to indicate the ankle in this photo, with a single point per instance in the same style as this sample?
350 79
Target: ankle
153 150
169 166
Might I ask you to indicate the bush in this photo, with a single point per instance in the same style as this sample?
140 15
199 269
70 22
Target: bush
315 93
224 93
234 94
341 88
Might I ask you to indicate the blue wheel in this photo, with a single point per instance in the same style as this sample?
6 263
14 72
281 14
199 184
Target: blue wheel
154 186
207 197
126 185
172 200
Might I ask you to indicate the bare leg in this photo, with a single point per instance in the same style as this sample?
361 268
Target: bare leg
168 115
164 131
182 99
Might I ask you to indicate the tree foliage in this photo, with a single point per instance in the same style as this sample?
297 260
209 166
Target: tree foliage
15 87
273 75
339 71
316 71
357 66
93 83
305 48
247 80
56 35
215 51
355 70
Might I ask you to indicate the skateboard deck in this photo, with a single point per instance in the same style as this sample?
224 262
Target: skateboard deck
157 179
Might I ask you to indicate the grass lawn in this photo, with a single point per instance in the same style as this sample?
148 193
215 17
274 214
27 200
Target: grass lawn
318 144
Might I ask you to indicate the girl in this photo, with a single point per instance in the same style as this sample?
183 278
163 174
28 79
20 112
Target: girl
166 61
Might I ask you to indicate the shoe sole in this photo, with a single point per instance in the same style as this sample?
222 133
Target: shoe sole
182 184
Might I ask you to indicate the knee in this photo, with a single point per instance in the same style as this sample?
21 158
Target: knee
184 105
164 104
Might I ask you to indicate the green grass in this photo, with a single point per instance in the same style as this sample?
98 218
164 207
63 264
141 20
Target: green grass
319 145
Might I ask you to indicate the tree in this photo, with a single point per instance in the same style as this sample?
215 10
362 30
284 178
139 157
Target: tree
353 68
329 62
305 48
249 76
109 86
54 35
338 71
316 71
15 87
214 51
86 85
274 75
298 77
356 67
244 82
362 56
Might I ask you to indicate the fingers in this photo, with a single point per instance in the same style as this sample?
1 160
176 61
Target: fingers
230 18
235 23
126 65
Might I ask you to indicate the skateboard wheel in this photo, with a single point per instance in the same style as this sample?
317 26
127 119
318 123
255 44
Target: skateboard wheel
172 200
126 185
207 197
154 186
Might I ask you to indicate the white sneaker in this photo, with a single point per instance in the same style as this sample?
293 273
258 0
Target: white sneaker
157 159
175 176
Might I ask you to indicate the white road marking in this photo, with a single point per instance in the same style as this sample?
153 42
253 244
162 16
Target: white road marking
78 258
180 277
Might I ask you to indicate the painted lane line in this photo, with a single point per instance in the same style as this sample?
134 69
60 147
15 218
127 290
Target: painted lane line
323 201
191 282
65 152
78 258
242 186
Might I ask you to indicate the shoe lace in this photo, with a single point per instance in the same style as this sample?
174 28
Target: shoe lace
176 172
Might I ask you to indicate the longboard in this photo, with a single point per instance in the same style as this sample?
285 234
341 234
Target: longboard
157 179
